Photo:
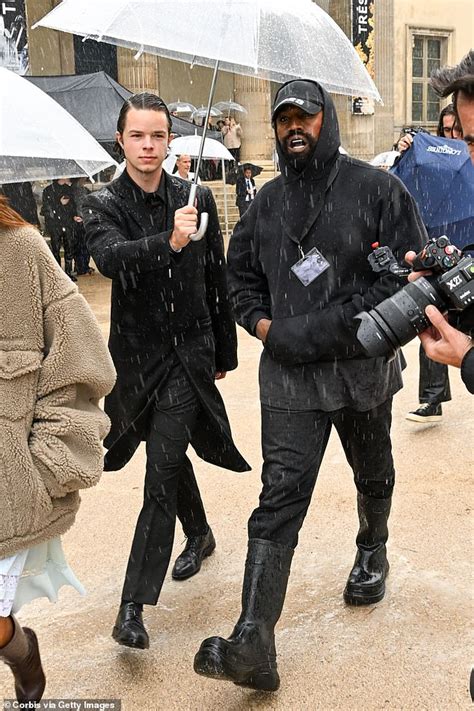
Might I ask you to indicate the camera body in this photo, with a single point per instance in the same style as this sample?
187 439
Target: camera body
397 320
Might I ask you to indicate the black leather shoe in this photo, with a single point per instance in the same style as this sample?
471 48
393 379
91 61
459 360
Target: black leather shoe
129 629
189 562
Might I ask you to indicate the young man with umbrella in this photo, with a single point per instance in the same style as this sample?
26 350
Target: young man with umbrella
298 275
171 336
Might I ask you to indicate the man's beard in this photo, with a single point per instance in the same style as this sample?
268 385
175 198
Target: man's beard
299 162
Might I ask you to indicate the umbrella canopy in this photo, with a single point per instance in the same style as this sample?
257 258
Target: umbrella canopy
39 140
181 107
225 107
234 173
94 100
385 159
201 112
439 174
270 39
189 145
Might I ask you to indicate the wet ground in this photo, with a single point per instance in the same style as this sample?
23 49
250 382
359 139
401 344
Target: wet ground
411 651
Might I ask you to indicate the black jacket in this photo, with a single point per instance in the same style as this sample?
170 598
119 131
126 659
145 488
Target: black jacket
241 190
163 304
467 370
56 215
341 206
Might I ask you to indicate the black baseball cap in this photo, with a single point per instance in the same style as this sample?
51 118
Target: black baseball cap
299 92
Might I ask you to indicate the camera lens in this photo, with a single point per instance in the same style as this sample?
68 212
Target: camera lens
395 321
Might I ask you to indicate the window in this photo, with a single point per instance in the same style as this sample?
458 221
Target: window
429 50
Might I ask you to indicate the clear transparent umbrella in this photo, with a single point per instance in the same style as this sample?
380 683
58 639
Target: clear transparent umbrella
269 39
39 140
202 111
181 107
225 107
191 145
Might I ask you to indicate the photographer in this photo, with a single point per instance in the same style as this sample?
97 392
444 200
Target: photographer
433 388
446 344
443 343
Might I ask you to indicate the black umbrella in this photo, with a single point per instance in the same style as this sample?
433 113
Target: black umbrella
234 173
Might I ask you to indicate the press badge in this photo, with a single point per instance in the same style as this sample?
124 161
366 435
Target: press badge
310 266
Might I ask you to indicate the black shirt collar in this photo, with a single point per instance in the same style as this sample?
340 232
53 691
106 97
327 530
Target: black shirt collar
158 197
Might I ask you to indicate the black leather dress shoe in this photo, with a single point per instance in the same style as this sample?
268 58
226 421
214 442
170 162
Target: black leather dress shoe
129 629
189 562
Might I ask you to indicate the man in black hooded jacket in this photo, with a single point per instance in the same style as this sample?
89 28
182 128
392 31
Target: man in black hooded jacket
298 275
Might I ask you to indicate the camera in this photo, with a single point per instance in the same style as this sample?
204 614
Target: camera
397 320
412 130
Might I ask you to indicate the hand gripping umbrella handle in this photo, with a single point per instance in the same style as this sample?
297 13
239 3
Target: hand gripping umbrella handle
204 217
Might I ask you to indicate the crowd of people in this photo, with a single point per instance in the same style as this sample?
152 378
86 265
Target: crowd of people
295 279
61 209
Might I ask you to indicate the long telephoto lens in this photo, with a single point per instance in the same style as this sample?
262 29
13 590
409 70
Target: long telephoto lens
397 320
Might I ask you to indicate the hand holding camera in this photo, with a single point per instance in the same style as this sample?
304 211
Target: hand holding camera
449 284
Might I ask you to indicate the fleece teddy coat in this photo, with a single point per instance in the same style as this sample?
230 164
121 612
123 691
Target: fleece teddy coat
54 367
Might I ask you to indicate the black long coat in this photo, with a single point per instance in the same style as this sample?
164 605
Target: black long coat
163 305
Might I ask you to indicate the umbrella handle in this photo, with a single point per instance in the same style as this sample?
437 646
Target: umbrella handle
204 221
202 228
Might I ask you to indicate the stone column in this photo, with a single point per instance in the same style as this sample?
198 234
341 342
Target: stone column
140 74
254 95
384 75
50 52
357 131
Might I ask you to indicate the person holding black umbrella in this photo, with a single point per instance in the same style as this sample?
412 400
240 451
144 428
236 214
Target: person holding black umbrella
245 189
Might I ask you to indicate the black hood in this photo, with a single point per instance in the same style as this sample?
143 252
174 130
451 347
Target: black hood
306 186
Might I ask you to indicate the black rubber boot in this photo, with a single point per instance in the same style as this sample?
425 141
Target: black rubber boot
248 657
22 655
366 582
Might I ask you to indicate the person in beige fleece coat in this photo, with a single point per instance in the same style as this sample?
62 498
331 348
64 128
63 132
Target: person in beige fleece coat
54 368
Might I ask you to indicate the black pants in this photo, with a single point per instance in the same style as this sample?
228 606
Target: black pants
293 446
434 381
63 237
170 489
81 253
243 207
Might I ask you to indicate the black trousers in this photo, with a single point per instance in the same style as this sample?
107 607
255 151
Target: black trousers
293 445
243 207
63 238
81 253
434 381
170 489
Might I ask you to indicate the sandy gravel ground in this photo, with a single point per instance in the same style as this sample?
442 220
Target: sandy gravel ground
411 651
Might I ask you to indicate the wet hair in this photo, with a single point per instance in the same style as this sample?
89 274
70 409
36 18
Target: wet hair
453 80
143 101
8 216
447 111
